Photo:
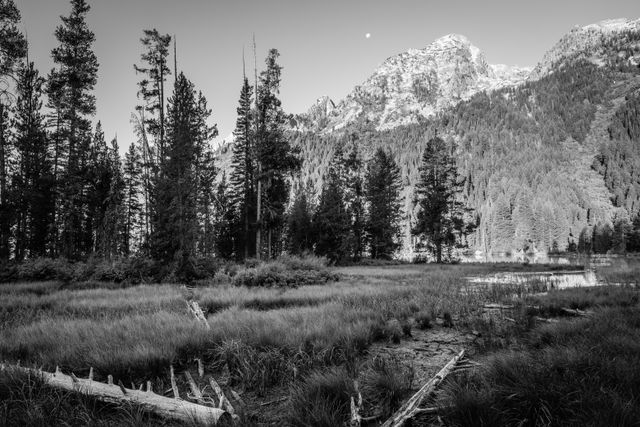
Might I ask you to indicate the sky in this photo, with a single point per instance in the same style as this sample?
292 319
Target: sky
323 44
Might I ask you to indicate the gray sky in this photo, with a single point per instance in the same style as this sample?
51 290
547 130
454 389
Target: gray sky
322 43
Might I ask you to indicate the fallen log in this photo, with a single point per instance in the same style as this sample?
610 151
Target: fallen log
176 409
197 312
575 312
411 406
223 402
495 306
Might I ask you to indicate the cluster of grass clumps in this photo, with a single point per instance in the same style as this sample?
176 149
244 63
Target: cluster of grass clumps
26 400
424 320
583 372
322 399
129 271
553 302
385 384
286 271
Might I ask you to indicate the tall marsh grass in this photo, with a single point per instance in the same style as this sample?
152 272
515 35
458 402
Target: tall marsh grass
583 372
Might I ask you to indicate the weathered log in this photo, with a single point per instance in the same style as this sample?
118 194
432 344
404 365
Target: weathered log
411 406
165 407
223 402
195 390
174 385
576 312
495 306
200 368
356 418
197 312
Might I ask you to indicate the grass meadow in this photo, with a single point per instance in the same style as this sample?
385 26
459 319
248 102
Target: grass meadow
301 342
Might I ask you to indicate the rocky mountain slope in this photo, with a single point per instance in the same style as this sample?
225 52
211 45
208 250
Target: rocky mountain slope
416 83
595 43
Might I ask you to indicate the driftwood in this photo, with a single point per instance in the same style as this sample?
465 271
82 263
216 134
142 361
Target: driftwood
197 312
576 312
195 390
174 385
411 406
176 409
223 402
495 306
356 418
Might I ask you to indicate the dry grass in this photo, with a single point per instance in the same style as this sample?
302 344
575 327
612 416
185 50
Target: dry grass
266 336
583 372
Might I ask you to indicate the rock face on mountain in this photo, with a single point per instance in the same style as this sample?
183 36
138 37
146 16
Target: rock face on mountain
413 84
594 43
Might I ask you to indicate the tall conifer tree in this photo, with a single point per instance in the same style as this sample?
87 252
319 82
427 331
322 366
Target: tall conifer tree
34 181
441 218
132 200
331 221
175 200
243 174
383 197
276 157
12 48
70 91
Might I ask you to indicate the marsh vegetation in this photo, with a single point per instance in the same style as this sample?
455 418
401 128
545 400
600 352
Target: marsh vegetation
304 345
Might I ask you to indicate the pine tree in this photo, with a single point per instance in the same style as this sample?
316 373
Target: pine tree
331 221
70 88
205 177
12 48
243 174
34 181
224 236
132 204
441 222
383 198
351 168
175 219
6 200
98 175
299 233
150 123
276 158
155 70
13 44
110 231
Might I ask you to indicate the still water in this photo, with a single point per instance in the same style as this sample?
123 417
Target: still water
555 279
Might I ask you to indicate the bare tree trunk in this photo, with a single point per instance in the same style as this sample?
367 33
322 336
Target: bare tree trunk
5 227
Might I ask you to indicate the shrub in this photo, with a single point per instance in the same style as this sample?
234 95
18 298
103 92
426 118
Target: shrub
323 399
306 262
45 269
393 331
285 272
448 320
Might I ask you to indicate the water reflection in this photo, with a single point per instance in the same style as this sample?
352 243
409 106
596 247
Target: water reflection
588 261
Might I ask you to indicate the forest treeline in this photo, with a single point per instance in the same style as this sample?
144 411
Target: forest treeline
551 165
67 193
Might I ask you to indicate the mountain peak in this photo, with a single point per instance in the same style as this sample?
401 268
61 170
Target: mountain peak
452 38
417 83
613 25
592 43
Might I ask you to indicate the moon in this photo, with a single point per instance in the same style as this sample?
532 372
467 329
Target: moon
368 35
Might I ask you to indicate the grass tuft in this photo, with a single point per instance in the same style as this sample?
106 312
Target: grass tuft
323 399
